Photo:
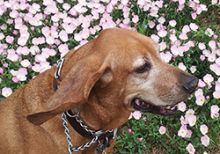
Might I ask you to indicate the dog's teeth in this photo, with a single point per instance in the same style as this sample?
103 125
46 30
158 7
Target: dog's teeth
137 101
168 107
173 108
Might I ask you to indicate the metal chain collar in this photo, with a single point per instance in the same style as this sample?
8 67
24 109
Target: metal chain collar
69 141
92 131
95 133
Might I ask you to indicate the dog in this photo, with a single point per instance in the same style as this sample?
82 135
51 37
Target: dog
98 86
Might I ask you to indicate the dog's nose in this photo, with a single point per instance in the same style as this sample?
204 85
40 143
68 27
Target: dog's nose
190 83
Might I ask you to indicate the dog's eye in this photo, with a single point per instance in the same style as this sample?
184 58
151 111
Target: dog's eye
144 68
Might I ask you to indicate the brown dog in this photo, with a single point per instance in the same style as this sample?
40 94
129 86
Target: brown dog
104 81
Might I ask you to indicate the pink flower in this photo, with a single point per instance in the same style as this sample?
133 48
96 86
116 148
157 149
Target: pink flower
183 131
25 63
1 70
161 20
181 2
135 19
2 36
162 46
218 61
193 69
193 15
155 38
63 36
172 23
200 100
216 93
215 68
212 57
201 46
130 131
188 134
151 24
6 91
191 120
15 79
166 57
36 68
20 74
137 115
193 26
173 37
186 29
190 149
202 57
208 79
140 139
34 50
203 129
214 111
181 106
199 92
63 49
24 51
206 52
214 2
12 55
162 130
205 140
85 34
36 7
183 36
183 121
44 66
77 37
182 66
201 84
22 40
9 39
66 6
212 44
50 40
209 32
162 33
5 65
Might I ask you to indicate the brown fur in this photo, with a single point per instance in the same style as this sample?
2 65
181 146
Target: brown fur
97 80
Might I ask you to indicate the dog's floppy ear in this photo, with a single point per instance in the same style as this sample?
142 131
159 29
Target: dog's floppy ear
74 88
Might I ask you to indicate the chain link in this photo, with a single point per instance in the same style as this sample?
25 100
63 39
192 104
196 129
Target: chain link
59 67
92 131
69 140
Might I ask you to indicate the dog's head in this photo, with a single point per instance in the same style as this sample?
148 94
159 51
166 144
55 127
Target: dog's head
122 69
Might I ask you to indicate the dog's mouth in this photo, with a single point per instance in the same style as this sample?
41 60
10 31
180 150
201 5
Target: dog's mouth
142 105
